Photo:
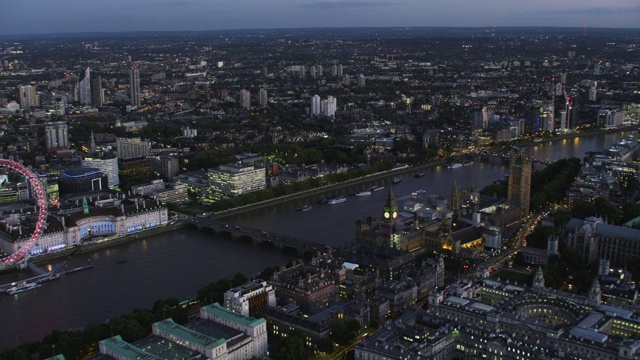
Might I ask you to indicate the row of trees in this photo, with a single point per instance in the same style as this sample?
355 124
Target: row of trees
136 325
300 186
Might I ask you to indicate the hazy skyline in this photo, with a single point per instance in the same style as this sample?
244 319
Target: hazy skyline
72 16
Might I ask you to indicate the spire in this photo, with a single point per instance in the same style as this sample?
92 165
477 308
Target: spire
390 210
93 142
455 198
595 294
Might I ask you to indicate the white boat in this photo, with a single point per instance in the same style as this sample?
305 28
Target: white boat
454 165
467 162
363 193
336 200
303 208
377 188
22 288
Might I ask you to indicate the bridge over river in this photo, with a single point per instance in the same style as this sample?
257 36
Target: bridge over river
257 236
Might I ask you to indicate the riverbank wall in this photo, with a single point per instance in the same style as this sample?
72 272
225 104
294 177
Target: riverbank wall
85 248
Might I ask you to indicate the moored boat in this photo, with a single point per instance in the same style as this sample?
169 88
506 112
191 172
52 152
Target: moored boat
303 208
363 193
336 200
419 175
396 180
22 288
454 165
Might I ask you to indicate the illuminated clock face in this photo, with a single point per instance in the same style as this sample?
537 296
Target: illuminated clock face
395 214
386 214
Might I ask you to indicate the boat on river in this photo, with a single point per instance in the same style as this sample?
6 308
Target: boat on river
22 288
396 180
336 200
363 193
303 208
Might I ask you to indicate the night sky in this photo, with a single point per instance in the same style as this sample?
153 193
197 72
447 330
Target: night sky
72 16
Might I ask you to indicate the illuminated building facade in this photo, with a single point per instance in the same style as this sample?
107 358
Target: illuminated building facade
250 297
82 180
497 320
235 179
107 163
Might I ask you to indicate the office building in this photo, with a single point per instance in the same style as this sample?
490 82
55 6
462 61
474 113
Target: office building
84 88
235 179
305 286
134 86
132 148
250 297
106 162
263 99
610 119
82 180
27 97
134 170
245 99
218 335
315 105
491 319
346 80
361 80
329 106
57 136
97 95
563 120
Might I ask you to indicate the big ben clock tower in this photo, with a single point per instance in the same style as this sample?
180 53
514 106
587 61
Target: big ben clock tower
389 217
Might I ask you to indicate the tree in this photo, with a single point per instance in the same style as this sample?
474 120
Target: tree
292 348
630 211
611 213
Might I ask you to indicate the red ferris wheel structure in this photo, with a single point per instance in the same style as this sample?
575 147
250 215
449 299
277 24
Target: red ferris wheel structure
38 191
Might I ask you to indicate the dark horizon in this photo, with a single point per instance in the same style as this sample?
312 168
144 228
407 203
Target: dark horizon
438 30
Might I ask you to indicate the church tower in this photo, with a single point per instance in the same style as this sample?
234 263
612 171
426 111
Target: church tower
519 190
455 199
595 294
388 223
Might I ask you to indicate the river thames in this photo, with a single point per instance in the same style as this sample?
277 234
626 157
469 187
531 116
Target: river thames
178 263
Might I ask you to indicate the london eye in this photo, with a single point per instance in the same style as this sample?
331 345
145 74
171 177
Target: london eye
38 191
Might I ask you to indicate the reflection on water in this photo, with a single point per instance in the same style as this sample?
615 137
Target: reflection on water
179 263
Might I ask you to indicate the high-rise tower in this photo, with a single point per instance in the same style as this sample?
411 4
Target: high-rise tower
97 97
388 223
455 198
134 84
245 98
27 96
263 98
85 88
519 190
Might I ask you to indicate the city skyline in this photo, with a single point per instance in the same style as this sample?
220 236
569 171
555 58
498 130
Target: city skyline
42 17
